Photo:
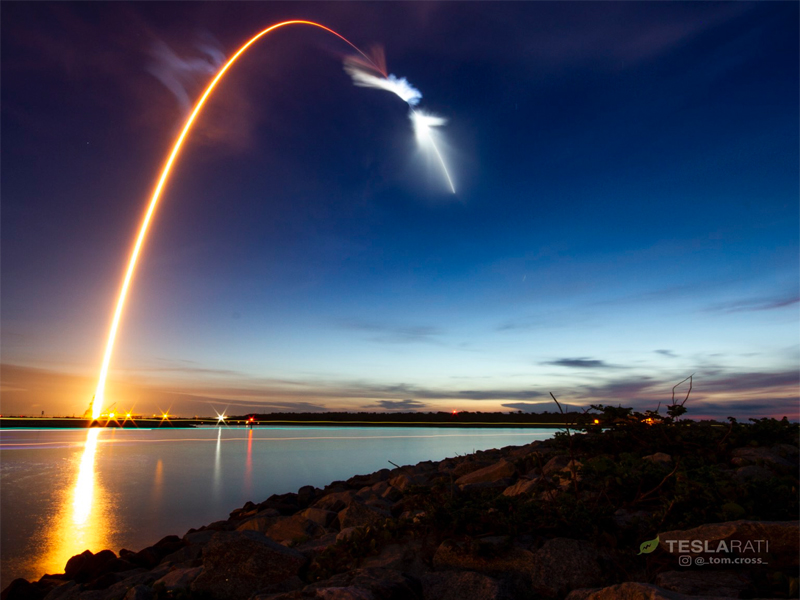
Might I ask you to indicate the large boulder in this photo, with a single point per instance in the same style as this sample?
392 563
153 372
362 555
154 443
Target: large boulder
523 486
760 456
152 555
179 578
142 579
450 555
468 466
220 526
87 565
139 592
358 515
323 518
238 564
346 533
495 472
313 548
380 584
725 584
194 536
405 558
293 528
633 591
392 494
359 584
306 495
260 522
773 542
188 554
562 564
22 589
404 481
285 504
336 501
555 464
460 585
69 591
358 481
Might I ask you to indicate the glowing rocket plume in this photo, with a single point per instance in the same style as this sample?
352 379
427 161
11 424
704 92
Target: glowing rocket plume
422 129
396 85
369 74
162 180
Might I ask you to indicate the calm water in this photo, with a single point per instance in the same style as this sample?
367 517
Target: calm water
63 491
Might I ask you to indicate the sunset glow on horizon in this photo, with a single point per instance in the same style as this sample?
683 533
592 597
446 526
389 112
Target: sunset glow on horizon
626 213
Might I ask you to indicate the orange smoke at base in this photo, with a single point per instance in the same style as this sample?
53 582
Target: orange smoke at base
162 180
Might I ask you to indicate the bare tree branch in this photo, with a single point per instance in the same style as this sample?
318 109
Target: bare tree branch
571 453
689 379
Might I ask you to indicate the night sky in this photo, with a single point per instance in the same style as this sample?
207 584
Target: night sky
626 210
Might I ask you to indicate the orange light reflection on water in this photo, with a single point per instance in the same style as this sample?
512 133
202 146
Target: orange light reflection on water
81 523
248 465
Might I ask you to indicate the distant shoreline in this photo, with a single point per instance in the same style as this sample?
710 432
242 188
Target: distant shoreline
444 420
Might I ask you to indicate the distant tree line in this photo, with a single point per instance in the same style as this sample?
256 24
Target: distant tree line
415 417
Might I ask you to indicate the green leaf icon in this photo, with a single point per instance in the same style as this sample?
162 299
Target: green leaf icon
648 547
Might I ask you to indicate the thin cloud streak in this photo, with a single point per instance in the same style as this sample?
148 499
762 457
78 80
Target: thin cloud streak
396 334
756 304
580 363
540 407
406 405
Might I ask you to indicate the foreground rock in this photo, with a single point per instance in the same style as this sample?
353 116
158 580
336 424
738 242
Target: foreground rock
724 584
450 555
239 564
359 584
634 591
562 565
457 585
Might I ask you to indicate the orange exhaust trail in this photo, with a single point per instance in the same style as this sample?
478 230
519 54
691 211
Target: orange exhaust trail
162 180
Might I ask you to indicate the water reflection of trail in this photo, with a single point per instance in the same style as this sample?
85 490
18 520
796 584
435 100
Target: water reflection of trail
217 485
248 466
81 523
158 485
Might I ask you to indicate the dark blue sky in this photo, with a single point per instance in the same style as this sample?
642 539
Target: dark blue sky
626 210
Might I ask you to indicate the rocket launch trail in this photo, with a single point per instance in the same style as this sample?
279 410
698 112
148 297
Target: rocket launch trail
163 179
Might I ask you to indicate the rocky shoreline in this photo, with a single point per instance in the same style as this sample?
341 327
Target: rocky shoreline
551 519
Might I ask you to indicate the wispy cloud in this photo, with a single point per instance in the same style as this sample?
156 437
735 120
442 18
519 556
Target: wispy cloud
756 304
426 393
187 370
667 353
399 404
752 381
580 363
264 405
539 407
623 389
745 409
395 334
181 75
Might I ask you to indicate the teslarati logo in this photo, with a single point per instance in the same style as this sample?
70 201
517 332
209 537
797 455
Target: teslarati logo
648 546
